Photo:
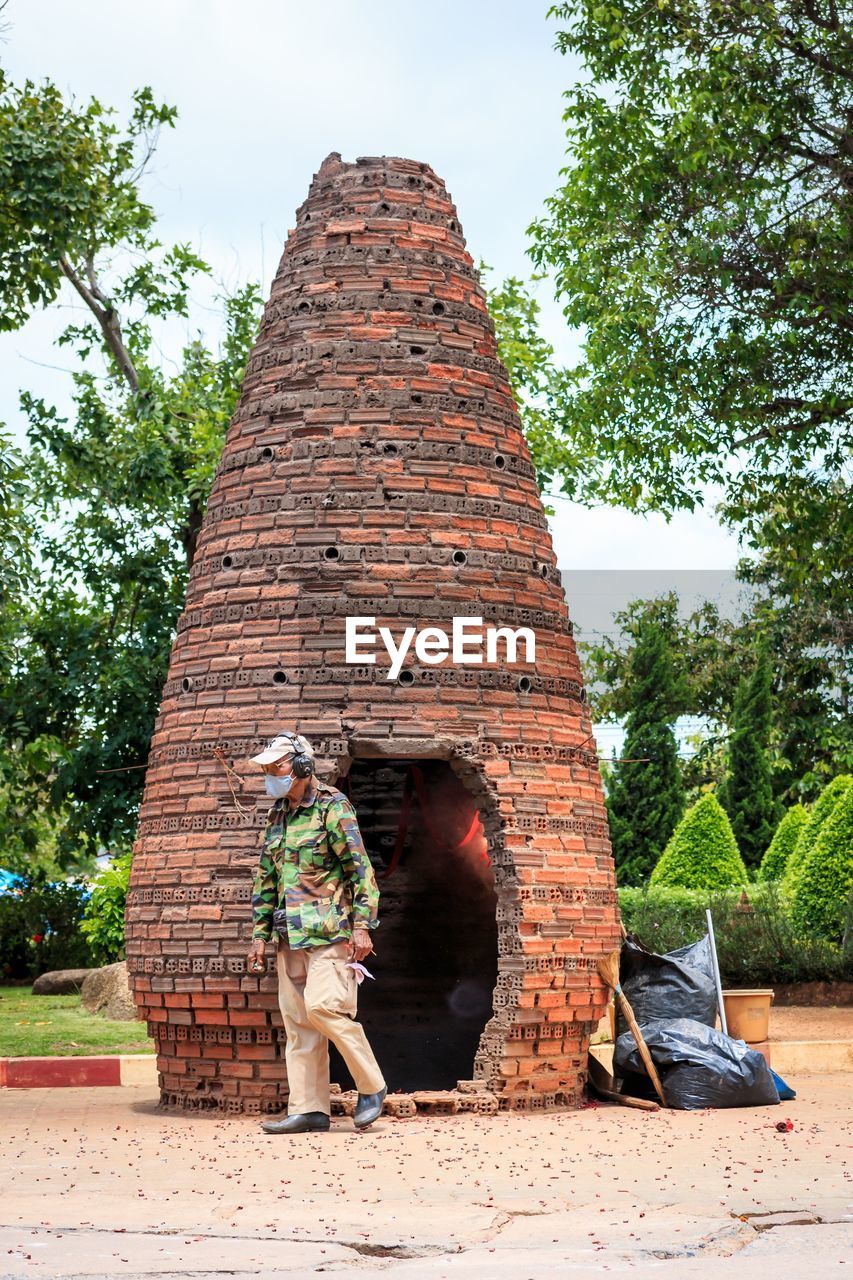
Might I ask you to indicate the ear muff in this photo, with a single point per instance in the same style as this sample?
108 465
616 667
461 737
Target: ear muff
302 765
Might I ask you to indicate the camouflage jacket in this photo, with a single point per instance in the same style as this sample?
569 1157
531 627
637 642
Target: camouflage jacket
313 874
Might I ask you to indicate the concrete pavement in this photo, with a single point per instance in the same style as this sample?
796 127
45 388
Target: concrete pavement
98 1182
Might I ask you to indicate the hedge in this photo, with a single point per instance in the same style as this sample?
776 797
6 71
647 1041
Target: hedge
702 852
783 843
757 943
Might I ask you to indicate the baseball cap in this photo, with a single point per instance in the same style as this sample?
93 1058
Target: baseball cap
286 744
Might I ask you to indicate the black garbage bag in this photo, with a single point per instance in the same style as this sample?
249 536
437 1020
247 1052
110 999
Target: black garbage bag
679 984
698 1066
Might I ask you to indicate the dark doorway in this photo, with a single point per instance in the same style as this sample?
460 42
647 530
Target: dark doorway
436 946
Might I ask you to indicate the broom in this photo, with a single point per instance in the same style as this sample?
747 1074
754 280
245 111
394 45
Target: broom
608 969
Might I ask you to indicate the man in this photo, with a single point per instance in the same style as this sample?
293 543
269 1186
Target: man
315 886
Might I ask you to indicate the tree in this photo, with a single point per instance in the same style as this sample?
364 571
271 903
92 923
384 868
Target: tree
115 495
822 897
783 843
812 730
647 797
747 794
823 808
702 237
702 852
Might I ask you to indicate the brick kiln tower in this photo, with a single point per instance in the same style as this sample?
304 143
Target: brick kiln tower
375 467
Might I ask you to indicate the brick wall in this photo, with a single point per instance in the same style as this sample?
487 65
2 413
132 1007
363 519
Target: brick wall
375 466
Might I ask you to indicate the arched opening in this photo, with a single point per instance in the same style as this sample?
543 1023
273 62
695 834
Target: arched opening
436 946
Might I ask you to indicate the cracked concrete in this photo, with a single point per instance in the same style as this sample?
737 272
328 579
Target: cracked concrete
99 1183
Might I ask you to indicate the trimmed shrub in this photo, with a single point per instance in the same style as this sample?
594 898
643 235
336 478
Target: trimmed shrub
783 843
702 852
821 898
103 923
823 807
757 944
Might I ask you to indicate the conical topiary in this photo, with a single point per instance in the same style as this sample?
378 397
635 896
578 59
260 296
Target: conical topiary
824 883
783 843
702 852
823 807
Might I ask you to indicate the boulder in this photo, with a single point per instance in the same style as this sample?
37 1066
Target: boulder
60 982
106 991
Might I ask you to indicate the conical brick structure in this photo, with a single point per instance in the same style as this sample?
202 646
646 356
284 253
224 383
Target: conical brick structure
375 467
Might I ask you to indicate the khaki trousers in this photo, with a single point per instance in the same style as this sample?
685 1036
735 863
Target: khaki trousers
317 997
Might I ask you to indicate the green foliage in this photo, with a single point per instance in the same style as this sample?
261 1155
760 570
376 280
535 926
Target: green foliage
747 793
822 896
823 807
702 237
756 941
646 799
68 188
537 381
812 731
40 928
103 920
702 852
102 513
783 843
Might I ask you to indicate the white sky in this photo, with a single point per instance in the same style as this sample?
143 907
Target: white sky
266 88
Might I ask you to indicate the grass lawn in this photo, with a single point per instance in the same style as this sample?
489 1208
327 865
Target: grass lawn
57 1026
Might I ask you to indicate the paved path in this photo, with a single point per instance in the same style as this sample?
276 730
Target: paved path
99 1183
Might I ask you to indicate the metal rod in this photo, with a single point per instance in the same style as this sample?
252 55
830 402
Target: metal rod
723 1022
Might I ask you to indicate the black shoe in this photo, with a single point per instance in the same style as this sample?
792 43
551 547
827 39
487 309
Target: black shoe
304 1123
369 1108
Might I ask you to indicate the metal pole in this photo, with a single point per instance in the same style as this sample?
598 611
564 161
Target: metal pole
723 1022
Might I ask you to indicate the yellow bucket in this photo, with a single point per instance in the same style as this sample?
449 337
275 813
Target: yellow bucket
748 1014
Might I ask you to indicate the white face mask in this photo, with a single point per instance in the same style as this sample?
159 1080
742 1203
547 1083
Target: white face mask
278 788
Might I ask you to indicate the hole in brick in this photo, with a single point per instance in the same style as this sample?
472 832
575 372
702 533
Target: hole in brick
438 308
279 677
267 454
424 1022
524 684
544 570
417 351
417 399
500 461
303 307
406 677
331 553
384 207
390 449
186 684
227 562
459 557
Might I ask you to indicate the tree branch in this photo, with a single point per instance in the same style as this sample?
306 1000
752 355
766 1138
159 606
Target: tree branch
105 314
817 417
795 45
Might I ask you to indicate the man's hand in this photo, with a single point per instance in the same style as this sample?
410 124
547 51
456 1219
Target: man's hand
360 944
255 959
